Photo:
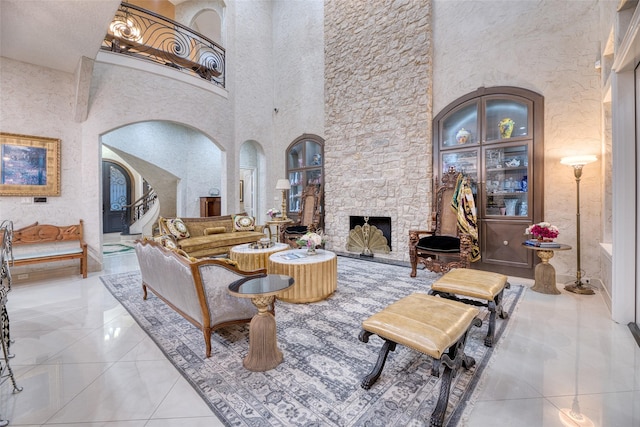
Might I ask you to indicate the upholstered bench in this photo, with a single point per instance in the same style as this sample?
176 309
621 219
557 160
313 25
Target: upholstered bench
481 285
434 326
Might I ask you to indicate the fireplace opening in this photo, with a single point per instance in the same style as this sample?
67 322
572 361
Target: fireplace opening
382 223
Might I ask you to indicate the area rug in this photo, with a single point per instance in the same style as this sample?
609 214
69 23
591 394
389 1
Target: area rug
318 383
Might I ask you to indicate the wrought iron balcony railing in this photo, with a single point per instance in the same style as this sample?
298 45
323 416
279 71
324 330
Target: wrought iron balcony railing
143 34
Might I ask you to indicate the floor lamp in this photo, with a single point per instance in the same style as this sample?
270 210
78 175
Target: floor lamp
577 162
283 185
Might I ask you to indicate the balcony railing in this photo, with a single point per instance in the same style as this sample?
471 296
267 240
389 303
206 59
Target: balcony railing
143 34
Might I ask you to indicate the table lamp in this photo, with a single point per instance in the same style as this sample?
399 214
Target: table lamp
577 162
283 185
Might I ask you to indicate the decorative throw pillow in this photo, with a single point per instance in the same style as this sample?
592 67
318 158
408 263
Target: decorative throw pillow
166 242
244 223
178 228
214 230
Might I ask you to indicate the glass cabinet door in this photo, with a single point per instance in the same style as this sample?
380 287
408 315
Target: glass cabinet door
464 161
506 181
461 127
505 119
304 168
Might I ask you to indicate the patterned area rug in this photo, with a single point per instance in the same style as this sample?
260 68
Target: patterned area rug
318 383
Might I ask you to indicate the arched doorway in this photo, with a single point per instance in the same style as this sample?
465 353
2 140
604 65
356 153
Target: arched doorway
116 194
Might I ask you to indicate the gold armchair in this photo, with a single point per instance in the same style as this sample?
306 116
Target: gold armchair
444 246
309 219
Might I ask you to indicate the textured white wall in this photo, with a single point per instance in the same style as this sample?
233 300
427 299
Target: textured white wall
549 47
180 151
39 101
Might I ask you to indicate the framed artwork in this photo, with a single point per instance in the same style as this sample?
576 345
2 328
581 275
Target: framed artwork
242 190
29 165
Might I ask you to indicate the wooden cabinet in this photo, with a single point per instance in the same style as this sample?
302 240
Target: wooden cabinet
305 166
495 137
209 206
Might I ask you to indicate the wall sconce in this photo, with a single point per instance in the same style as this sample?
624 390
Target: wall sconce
283 185
577 162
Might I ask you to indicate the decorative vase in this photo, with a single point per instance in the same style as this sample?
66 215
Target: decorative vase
463 136
506 127
510 204
311 250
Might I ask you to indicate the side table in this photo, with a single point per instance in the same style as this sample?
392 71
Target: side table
254 259
264 353
278 223
545 274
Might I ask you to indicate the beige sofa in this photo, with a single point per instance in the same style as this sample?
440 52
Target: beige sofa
207 236
196 289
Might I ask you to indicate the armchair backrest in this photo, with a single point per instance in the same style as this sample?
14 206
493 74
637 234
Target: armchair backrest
444 217
310 206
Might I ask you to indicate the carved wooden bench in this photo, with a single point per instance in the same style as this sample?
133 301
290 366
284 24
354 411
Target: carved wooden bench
39 243
434 326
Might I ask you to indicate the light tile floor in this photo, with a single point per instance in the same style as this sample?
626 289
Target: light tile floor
83 361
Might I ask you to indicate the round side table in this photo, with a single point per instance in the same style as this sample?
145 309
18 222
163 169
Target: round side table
545 274
264 353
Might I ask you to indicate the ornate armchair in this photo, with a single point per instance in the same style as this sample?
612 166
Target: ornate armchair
444 246
309 219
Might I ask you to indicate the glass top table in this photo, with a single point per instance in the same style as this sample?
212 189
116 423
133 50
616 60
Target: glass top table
264 353
264 286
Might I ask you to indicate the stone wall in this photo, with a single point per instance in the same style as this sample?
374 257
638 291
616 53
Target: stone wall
378 117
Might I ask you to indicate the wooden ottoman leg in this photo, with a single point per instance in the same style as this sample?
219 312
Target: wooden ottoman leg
373 376
452 360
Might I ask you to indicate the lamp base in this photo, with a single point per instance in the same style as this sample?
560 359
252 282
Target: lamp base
578 288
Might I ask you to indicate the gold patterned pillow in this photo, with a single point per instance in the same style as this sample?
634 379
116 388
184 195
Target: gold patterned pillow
165 241
244 223
178 228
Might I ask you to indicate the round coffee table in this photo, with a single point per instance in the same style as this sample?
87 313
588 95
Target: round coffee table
316 275
264 353
254 259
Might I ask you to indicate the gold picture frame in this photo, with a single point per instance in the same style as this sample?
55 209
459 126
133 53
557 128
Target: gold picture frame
29 165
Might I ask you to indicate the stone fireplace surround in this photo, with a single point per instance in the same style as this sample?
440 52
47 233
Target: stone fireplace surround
378 116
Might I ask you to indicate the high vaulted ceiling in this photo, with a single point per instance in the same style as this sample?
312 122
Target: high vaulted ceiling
54 33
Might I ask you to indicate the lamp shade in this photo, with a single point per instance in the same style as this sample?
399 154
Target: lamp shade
578 160
283 184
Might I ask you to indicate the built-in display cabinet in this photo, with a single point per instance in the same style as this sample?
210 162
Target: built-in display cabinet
495 137
305 166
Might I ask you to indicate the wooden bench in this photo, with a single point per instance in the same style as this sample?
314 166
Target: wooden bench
483 287
39 243
434 326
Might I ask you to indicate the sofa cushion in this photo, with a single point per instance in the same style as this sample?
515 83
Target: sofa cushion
214 230
243 223
178 228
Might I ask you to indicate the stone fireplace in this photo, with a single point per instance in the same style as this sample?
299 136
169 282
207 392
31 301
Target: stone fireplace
378 114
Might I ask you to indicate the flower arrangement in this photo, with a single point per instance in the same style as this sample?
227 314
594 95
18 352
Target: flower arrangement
543 230
311 240
273 212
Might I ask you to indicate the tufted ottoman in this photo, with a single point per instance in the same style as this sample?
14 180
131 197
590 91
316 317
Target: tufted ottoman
434 326
477 284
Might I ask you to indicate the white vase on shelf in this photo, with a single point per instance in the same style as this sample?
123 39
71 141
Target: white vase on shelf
510 204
